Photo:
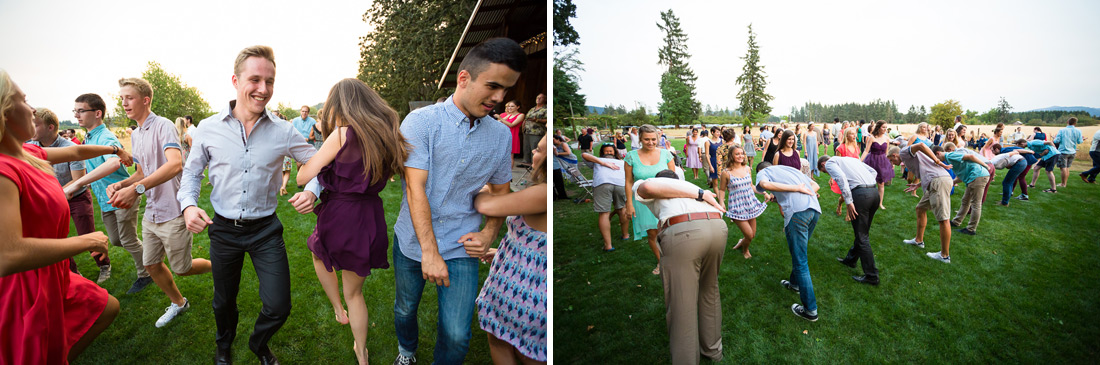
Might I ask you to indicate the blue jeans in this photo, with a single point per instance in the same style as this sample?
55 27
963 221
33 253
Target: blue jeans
1010 180
456 306
798 233
1090 175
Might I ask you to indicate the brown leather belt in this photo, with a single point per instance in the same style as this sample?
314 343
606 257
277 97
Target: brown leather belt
690 217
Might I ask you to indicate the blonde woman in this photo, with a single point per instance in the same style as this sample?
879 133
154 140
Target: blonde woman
363 149
185 139
743 208
641 164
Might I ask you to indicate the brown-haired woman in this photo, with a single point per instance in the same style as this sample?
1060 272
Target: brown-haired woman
363 149
743 208
875 156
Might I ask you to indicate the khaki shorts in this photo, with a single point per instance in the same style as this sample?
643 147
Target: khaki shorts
937 198
608 197
171 237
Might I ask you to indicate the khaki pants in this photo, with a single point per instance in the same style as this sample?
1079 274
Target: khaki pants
121 227
972 201
691 255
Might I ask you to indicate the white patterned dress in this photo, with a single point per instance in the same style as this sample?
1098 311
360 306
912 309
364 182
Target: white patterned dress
743 204
512 304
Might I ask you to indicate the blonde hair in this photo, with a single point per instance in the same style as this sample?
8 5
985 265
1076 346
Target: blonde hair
7 102
46 116
181 127
353 104
143 87
255 51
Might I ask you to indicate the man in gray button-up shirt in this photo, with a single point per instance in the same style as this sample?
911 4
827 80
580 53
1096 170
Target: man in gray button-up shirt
856 181
244 146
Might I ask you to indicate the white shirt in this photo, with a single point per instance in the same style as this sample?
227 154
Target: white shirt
668 208
604 175
1006 160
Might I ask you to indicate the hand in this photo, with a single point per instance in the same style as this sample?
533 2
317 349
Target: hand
802 188
111 189
196 219
96 241
476 243
911 188
709 198
124 156
488 256
610 165
70 190
630 210
303 202
946 167
434 269
124 198
851 208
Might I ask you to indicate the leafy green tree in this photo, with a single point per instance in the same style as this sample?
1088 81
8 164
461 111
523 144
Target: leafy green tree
567 88
943 114
752 80
564 34
409 47
171 97
677 85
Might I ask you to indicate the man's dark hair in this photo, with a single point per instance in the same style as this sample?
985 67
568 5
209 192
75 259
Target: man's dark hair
836 120
494 50
937 149
667 173
821 162
94 101
188 117
762 165
1072 121
559 138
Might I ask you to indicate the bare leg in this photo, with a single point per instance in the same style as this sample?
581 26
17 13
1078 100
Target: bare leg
839 204
501 352
749 231
1065 177
1035 176
110 312
945 238
624 223
604 223
198 267
922 223
881 196
357 312
286 177
164 280
651 234
330 283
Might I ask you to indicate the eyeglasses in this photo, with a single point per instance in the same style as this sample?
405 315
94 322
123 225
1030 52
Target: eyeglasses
82 111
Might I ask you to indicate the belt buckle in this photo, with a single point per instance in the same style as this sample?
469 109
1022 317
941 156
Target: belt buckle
236 223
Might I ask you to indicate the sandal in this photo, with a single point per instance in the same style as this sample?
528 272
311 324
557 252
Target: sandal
1050 191
657 270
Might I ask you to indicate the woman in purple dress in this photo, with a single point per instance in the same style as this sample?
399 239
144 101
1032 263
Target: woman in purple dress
875 156
786 154
353 166
512 305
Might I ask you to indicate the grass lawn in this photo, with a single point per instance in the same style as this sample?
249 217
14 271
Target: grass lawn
310 336
1022 290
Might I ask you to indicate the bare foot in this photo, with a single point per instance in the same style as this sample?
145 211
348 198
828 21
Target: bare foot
746 253
342 316
738 245
657 270
360 356
881 207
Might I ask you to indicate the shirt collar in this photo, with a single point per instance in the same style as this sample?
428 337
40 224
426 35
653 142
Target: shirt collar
98 129
152 116
227 113
455 114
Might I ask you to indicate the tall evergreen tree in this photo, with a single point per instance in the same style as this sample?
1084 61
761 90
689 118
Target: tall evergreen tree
678 81
1004 111
754 100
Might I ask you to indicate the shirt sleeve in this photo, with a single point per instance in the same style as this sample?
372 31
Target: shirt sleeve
638 197
302 151
834 170
168 137
761 177
415 129
502 172
191 181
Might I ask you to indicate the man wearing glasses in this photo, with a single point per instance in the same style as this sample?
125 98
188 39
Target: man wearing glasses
121 223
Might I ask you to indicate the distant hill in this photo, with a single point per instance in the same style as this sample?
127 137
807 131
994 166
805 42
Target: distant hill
1092 111
595 109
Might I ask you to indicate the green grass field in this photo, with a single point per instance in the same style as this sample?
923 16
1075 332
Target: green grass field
310 336
1022 290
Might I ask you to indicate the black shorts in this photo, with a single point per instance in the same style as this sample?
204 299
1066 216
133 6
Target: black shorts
1049 163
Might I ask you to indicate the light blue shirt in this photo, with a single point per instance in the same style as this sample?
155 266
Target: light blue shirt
245 173
1067 140
101 136
459 161
966 170
791 202
1038 147
303 126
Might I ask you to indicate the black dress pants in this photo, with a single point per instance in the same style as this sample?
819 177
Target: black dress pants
262 239
866 201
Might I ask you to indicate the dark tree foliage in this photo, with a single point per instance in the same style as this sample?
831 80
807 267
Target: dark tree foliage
564 34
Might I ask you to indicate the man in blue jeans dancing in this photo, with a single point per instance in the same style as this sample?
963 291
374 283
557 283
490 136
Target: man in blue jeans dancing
797 198
456 149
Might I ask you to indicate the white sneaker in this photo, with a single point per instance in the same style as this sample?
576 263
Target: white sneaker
913 242
104 274
172 311
937 256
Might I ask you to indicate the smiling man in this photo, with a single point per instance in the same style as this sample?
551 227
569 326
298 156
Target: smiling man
456 150
244 145
156 149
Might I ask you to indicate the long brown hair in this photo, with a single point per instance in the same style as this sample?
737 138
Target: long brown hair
787 134
353 104
730 163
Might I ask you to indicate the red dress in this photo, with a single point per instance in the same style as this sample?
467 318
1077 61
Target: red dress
44 311
516 139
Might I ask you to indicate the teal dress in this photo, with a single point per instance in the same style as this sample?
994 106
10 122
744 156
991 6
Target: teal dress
643 218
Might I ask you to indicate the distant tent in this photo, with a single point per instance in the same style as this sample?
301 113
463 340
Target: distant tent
1018 123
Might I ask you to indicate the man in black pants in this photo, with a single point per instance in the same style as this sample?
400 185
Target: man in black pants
857 185
244 145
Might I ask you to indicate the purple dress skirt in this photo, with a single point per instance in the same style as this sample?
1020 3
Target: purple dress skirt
878 161
351 224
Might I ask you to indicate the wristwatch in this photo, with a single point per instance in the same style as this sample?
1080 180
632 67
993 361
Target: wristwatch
140 189
700 198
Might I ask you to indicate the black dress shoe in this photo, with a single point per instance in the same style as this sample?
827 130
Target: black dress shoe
865 280
223 357
267 358
845 263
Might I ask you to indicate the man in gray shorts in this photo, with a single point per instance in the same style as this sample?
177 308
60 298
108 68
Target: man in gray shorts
936 183
1067 140
609 177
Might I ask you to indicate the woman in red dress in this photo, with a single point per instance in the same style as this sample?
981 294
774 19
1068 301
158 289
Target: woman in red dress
514 120
48 314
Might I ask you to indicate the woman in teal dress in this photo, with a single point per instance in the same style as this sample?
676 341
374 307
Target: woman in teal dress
645 163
